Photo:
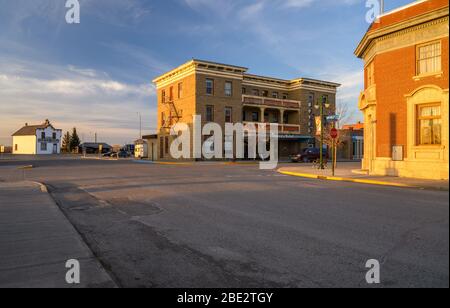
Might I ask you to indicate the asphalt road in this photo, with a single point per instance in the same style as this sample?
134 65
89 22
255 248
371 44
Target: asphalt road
215 225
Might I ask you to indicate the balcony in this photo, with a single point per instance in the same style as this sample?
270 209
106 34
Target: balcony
249 100
282 128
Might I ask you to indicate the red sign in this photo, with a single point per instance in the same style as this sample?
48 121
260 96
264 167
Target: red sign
334 133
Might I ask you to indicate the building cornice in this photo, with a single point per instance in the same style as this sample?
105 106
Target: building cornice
239 73
411 24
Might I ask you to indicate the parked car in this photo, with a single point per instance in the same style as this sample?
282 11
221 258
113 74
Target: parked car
309 155
123 154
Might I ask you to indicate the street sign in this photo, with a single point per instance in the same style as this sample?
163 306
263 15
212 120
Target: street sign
334 133
333 118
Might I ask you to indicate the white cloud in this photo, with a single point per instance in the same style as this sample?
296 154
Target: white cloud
298 3
70 96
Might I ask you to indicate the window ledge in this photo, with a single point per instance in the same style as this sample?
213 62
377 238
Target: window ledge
437 75
428 147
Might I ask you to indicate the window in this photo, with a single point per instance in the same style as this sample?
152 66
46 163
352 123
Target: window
228 88
54 136
429 58
285 96
265 93
228 115
275 94
209 86
255 116
163 96
311 98
43 135
429 124
180 90
171 94
16 147
209 113
255 92
43 146
244 91
370 74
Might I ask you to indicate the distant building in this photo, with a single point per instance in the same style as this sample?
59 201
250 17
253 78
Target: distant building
94 148
351 138
37 139
141 148
405 97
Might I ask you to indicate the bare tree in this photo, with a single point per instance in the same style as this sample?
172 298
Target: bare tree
344 115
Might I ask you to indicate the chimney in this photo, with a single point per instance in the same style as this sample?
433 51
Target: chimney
382 6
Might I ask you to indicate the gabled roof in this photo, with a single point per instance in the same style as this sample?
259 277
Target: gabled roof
30 130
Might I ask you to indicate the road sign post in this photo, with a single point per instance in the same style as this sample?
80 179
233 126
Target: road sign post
334 135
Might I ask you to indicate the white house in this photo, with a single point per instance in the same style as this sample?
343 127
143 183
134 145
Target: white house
37 139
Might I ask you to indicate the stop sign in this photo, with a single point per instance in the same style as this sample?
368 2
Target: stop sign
334 133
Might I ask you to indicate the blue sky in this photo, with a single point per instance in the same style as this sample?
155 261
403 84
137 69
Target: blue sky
97 75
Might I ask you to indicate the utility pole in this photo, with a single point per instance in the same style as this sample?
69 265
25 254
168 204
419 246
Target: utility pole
140 125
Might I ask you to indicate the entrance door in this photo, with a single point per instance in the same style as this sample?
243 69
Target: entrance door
55 149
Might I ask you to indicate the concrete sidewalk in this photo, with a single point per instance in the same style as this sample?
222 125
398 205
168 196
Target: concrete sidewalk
36 241
348 172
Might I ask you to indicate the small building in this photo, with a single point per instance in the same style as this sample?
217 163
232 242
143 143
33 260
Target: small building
141 149
95 148
37 139
152 144
405 97
351 138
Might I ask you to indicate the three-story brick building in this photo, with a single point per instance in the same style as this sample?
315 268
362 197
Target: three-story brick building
222 93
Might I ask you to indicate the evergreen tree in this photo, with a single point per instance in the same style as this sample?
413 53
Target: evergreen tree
66 143
74 140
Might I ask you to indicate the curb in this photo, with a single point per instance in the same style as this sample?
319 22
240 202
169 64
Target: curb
162 163
341 179
25 167
43 187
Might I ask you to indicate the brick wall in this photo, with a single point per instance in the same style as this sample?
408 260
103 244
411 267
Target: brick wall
394 72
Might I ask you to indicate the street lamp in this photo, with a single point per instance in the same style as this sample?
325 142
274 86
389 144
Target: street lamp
321 104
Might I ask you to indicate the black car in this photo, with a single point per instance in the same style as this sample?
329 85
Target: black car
120 154
309 155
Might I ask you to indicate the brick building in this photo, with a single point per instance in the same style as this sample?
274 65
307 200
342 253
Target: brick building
222 93
405 101
351 142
